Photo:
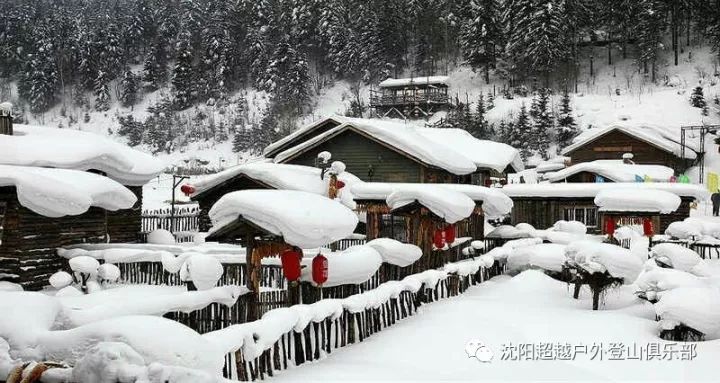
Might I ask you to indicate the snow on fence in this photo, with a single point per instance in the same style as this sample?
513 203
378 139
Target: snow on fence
183 224
323 328
705 250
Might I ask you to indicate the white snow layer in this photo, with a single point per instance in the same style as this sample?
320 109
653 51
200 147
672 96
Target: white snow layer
77 150
484 153
279 176
412 81
696 307
680 258
614 170
303 219
546 256
353 265
495 204
447 204
622 199
161 237
395 252
60 192
600 257
694 228
572 227
591 189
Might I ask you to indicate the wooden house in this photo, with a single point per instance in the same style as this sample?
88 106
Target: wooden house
60 187
391 151
541 205
649 145
416 97
425 209
610 171
259 175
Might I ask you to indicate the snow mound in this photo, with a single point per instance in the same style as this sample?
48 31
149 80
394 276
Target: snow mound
546 256
395 252
84 264
205 271
680 258
59 192
354 265
656 279
10 286
696 307
161 237
508 232
449 205
572 227
621 199
600 257
77 150
108 272
60 280
684 230
303 219
108 362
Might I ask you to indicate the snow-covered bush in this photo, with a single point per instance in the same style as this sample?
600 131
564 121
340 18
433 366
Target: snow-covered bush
108 273
689 313
549 257
161 237
684 230
60 280
202 270
84 268
680 258
573 227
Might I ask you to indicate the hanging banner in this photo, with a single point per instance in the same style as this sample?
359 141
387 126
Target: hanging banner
639 179
599 179
712 182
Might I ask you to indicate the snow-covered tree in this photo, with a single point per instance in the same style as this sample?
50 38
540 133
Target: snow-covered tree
102 92
543 122
481 35
697 98
129 86
520 133
566 126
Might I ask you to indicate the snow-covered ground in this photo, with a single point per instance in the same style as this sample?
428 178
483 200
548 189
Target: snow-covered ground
511 316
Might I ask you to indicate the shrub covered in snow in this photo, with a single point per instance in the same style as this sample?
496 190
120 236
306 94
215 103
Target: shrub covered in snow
546 256
203 270
689 313
680 258
108 273
61 279
573 227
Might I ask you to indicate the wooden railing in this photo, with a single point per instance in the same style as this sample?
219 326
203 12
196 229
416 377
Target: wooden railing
389 100
184 224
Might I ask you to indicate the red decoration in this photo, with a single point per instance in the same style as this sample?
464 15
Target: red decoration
449 233
291 264
320 269
187 189
610 227
439 239
648 227
339 184
488 182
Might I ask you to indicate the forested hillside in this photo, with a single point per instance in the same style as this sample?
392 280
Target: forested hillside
278 55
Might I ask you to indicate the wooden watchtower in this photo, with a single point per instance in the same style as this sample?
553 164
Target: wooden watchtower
415 97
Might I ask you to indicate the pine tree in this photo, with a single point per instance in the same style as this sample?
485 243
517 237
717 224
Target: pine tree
543 123
243 140
490 101
39 78
478 122
520 133
184 78
102 92
155 66
129 89
481 36
697 98
651 24
566 126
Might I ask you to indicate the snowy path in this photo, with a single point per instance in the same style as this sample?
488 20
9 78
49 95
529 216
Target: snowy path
530 308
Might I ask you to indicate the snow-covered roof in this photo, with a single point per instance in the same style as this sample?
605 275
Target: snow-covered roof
622 199
450 149
277 144
495 204
427 80
61 192
663 138
77 150
484 153
303 219
278 176
590 189
450 205
614 170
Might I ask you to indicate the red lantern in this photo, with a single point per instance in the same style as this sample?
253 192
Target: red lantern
450 233
339 184
291 264
610 227
488 182
648 227
439 239
320 269
187 189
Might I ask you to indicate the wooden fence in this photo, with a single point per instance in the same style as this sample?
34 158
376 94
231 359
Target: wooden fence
321 338
183 224
705 250
153 273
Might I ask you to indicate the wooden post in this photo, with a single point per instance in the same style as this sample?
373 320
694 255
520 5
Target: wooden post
251 279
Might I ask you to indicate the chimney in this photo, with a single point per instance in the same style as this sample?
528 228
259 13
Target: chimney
6 119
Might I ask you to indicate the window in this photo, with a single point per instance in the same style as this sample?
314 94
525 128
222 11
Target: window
3 206
585 214
392 226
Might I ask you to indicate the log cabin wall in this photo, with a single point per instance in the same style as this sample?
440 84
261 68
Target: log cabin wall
125 225
542 213
614 144
30 241
365 158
